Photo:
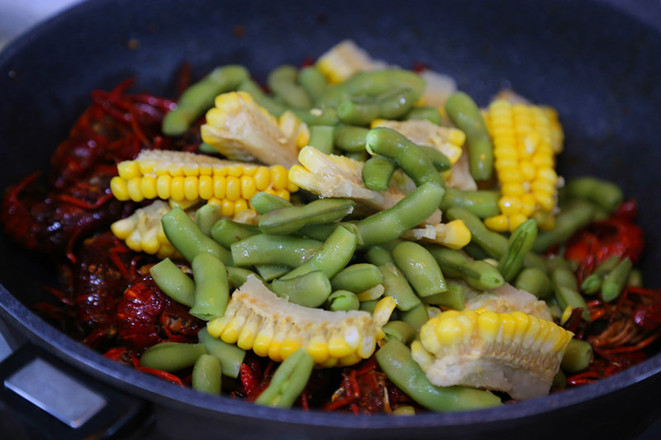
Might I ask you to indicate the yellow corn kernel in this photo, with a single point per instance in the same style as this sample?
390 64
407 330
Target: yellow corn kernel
119 188
227 207
262 178
509 205
191 188
142 231
516 220
498 223
133 188
233 189
205 189
128 169
177 190
248 187
240 205
280 177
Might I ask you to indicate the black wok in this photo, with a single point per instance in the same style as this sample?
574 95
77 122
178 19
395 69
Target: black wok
599 67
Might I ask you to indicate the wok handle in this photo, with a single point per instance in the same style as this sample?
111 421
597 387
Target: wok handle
56 401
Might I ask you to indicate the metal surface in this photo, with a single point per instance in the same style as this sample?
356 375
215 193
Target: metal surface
598 67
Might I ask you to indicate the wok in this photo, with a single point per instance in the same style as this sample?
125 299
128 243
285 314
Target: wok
599 67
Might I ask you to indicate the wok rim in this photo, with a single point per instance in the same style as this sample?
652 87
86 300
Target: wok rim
161 392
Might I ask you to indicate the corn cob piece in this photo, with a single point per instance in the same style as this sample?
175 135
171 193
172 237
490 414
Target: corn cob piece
344 60
525 137
447 140
454 234
506 299
142 231
511 352
182 177
242 130
258 319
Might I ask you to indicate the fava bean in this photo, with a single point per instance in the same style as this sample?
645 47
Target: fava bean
172 356
206 216
321 138
284 221
397 286
377 172
565 287
568 221
400 331
227 232
274 249
604 194
482 203
264 202
230 356
535 281
616 279
350 138
357 278
577 357
313 82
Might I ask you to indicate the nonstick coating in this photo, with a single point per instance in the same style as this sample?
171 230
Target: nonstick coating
599 68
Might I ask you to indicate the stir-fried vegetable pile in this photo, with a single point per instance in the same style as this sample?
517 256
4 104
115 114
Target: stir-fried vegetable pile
359 236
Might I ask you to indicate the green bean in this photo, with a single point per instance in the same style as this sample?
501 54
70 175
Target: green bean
565 287
557 262
404 410
519 244
357 278
578 356
568 221
420 268
396 361
274 249
310 289
333 256
391 223
466 115
289 380
430 114
368 306
361 110
211 287
173 282
207 373
559 380
378 255
284 221
326 116
477 273
350 138
616 279
206 216
184 235
592 283
322 232
482 203
411 158
313 82
172 356
475 252
494 244
270 272
200 97
283 83
398 287
604 194
227 232
238 275
360 156
454 298
400 331
205 148
377 172
230 356
372 83
437 158
535 281
321 138
343 300
415 317
264 202
635 278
